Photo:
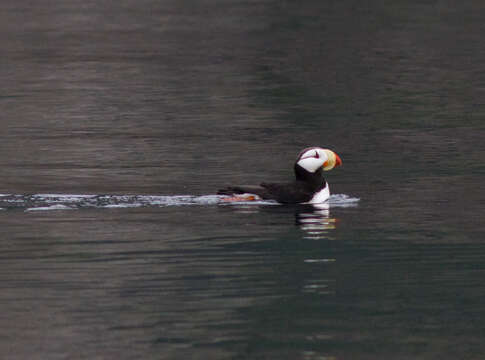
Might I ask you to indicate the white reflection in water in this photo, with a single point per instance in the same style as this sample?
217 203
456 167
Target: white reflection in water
320 286
317 224
316 221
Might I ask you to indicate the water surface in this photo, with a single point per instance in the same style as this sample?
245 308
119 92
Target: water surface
121 121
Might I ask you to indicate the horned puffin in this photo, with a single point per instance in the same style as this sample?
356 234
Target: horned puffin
309 186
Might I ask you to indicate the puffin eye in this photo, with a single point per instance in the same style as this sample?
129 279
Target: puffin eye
316 155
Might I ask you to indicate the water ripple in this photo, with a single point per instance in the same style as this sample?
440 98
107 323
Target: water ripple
46 202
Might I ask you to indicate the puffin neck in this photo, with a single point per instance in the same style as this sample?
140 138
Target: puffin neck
314 180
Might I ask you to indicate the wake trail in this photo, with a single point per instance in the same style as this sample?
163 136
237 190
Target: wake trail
46 202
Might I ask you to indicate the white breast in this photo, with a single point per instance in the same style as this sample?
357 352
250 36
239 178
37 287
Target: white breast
320 196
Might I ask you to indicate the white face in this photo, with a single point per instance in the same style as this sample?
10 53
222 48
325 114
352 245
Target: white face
312 159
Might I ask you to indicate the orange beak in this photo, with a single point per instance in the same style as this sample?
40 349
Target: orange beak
333 160
338 161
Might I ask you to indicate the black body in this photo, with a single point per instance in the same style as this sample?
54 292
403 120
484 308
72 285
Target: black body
300 191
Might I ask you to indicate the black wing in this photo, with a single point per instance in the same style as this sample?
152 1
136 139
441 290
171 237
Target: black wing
292 193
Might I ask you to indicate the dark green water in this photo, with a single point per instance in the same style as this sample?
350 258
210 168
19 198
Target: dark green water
181 97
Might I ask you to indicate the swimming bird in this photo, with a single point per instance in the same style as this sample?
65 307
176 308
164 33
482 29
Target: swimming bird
309 186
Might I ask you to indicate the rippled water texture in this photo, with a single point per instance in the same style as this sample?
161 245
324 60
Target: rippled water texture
44 202
120 120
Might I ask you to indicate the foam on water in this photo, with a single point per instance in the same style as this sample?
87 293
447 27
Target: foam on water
342 200
47 208
49 202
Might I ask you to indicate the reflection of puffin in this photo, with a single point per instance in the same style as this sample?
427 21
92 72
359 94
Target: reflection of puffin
315 220
309 186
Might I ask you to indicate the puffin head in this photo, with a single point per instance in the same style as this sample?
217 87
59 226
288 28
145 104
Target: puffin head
313 158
